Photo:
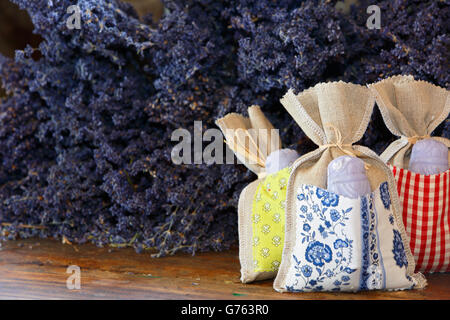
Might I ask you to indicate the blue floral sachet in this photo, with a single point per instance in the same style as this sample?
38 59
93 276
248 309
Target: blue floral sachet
353 241
345 244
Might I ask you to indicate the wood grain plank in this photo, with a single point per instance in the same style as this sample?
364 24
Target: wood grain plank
36 269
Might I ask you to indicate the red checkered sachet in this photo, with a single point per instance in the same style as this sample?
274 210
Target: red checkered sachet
412 110
425 201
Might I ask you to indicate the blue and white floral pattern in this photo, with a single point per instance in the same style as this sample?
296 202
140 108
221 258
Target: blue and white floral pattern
364 242
307 271
318 253
376 278
329 199
372 270
399 250
327 257
334 215
341 243
385 196
391 219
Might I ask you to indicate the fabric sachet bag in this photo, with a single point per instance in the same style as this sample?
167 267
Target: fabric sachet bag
261 204
412 110
334 242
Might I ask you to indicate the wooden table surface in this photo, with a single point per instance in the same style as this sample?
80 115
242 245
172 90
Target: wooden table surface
36 269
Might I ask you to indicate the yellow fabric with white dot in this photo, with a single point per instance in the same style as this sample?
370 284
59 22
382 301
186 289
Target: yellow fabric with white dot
268 221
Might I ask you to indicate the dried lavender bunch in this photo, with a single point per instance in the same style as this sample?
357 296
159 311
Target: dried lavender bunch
108 109
413 39
288 47
73 91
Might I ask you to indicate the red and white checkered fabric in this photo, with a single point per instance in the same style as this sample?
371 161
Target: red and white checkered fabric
426 210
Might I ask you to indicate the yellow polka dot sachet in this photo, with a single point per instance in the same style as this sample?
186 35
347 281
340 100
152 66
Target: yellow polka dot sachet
268 221
256 143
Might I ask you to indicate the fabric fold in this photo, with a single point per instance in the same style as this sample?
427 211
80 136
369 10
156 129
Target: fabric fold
412 110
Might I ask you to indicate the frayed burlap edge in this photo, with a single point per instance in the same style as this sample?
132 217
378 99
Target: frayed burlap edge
403 142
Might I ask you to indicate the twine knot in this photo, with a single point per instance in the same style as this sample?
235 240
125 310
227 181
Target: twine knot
414 139
339 142
341 145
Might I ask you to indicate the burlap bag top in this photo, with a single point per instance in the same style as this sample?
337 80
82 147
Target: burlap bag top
334 116
411 110
251 146
243 136
323 112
